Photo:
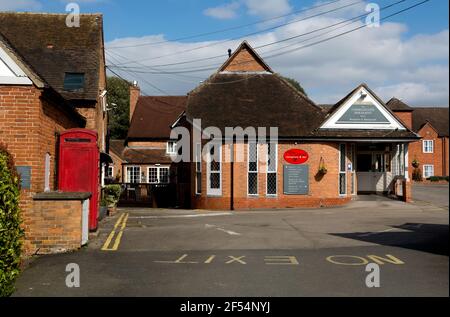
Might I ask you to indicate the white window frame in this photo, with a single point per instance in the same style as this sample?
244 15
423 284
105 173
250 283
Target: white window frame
252 172
213 191
158 174
425 149
272 172
344 171
172 150
198 169
128 178
425 168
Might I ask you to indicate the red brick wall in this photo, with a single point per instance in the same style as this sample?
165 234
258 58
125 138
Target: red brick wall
436 158
322 191
244 62
54 227
28 123
405 117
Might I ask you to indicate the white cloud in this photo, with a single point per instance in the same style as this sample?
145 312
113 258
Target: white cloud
268 8
226 11
12 5
387 58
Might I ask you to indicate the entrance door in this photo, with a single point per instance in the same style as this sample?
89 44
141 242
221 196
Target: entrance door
373 172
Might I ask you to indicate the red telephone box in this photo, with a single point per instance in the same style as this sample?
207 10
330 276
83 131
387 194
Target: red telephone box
79 167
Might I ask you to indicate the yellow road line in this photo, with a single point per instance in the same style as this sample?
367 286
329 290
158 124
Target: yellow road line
119 236
113 232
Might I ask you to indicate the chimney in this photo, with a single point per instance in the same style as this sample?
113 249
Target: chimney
229 52
135 92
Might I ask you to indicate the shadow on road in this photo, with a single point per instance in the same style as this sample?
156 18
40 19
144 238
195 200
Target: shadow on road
430 238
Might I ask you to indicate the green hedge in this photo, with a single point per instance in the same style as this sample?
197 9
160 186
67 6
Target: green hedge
10 230
437 178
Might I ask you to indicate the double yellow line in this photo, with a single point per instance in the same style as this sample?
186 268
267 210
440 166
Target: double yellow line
122 220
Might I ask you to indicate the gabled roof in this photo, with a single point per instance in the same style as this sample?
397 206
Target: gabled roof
397 105
154 115
437 117
245 59
253 100
51 49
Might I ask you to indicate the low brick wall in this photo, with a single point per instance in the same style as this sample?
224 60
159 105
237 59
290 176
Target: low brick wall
55 223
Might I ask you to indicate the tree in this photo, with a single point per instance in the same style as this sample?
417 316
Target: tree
296 84
119 102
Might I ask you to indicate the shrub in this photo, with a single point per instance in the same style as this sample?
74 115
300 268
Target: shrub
417 175
10 230
112 193
437 178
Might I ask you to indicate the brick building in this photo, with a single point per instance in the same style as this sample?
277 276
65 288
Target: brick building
52 78
431 124
144 160
360 142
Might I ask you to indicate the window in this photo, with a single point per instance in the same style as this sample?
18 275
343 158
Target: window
198 169
428 171
73 81
158 175
272 163
214 170
252 166
171 147
47 172
133 174
342 171
428 146
110 171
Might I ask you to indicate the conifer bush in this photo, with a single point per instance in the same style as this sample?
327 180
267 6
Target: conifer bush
10 231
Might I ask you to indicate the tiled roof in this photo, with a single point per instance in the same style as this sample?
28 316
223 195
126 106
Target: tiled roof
51 48
154 115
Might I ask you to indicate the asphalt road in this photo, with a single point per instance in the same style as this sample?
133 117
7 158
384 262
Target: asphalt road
434 194
321 252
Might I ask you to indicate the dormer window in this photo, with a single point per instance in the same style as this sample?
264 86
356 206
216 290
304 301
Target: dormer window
73 81
171 147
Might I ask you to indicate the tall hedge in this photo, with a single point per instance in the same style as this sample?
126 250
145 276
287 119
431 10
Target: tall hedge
10 230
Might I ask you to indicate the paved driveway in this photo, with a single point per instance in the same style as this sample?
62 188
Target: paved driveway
432 194
321 252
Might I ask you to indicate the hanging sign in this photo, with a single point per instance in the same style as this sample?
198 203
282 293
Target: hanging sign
296 156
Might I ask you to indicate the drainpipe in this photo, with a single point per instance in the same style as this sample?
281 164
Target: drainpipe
232 176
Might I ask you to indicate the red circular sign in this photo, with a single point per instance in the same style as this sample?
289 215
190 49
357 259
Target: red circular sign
296 156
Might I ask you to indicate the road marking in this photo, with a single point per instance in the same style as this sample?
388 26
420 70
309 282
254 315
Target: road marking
236 259
179 260
389 259
231 233
281 260
183 216
364 260
331 259
376 232
122 220
210 259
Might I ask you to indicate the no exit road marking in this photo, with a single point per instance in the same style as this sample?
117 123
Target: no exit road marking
288 260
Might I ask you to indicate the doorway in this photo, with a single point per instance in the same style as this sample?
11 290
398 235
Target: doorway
373 168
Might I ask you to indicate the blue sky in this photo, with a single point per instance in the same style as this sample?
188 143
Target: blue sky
406 57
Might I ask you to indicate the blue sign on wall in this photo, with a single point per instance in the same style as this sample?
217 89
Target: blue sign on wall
25 176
